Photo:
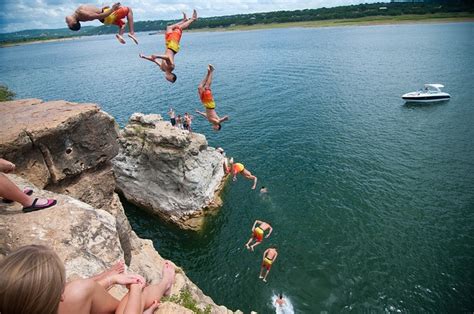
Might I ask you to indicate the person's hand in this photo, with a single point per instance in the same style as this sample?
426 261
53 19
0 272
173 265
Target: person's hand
116 6
129 279
6 166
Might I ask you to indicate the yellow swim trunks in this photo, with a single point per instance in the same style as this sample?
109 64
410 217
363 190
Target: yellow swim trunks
238 167
209 105
173 38
173 45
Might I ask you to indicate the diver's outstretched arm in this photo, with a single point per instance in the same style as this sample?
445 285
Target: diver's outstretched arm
201 113
151 58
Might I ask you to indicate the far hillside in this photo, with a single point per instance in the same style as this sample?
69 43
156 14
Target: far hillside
451 8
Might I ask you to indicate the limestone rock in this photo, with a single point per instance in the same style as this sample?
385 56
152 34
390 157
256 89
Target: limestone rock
49 141
85 238
168 171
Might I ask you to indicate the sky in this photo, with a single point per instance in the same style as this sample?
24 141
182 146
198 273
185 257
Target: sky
16 15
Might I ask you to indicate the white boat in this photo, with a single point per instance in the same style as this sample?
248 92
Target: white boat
431 93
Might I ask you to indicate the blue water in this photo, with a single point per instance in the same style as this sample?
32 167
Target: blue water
371 200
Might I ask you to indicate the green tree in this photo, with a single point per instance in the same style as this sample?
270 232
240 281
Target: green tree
5 93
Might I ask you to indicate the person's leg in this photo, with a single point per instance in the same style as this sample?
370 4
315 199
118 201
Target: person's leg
86 296
266 274
131 28
120 34
9 190
262 268
154 292
152 307
210 70
185 23
248 243
247 174
255 244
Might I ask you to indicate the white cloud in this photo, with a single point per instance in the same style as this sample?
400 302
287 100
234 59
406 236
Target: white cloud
18 15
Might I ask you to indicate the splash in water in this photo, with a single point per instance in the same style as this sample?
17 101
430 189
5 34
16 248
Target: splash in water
285 308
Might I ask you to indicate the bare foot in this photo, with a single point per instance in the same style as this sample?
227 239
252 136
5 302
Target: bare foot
251 248
210 67
132 36
152 307
195 15
168 276
39 202
120 39
185 18
247 246
260 277
264 280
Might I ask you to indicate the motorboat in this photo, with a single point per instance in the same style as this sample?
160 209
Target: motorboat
431 93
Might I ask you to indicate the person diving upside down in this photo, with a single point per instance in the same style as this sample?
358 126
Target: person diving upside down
107 15
172 38
257 233
205 94
269 257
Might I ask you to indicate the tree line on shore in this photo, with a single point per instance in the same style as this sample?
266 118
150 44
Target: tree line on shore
321 14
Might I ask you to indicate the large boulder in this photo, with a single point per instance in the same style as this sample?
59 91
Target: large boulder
52 141
170 172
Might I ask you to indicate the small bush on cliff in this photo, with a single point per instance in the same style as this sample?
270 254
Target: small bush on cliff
5 93
186 299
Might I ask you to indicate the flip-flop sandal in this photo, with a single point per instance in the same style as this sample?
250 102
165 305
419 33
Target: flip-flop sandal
35 206
27 191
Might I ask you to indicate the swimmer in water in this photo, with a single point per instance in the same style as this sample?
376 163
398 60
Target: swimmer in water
257 233
172 39
269 257
280 301
263 190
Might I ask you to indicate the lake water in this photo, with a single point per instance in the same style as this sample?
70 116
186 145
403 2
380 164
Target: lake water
371 200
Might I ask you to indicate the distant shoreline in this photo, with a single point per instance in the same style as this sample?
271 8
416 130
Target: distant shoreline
344 22
365 21
40 41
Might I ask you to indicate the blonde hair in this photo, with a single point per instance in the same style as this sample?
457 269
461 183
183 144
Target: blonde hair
32 280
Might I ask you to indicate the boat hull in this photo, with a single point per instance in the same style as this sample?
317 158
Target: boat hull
425 99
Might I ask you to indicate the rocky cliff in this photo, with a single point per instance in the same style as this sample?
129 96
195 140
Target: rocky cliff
171 172
64 151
